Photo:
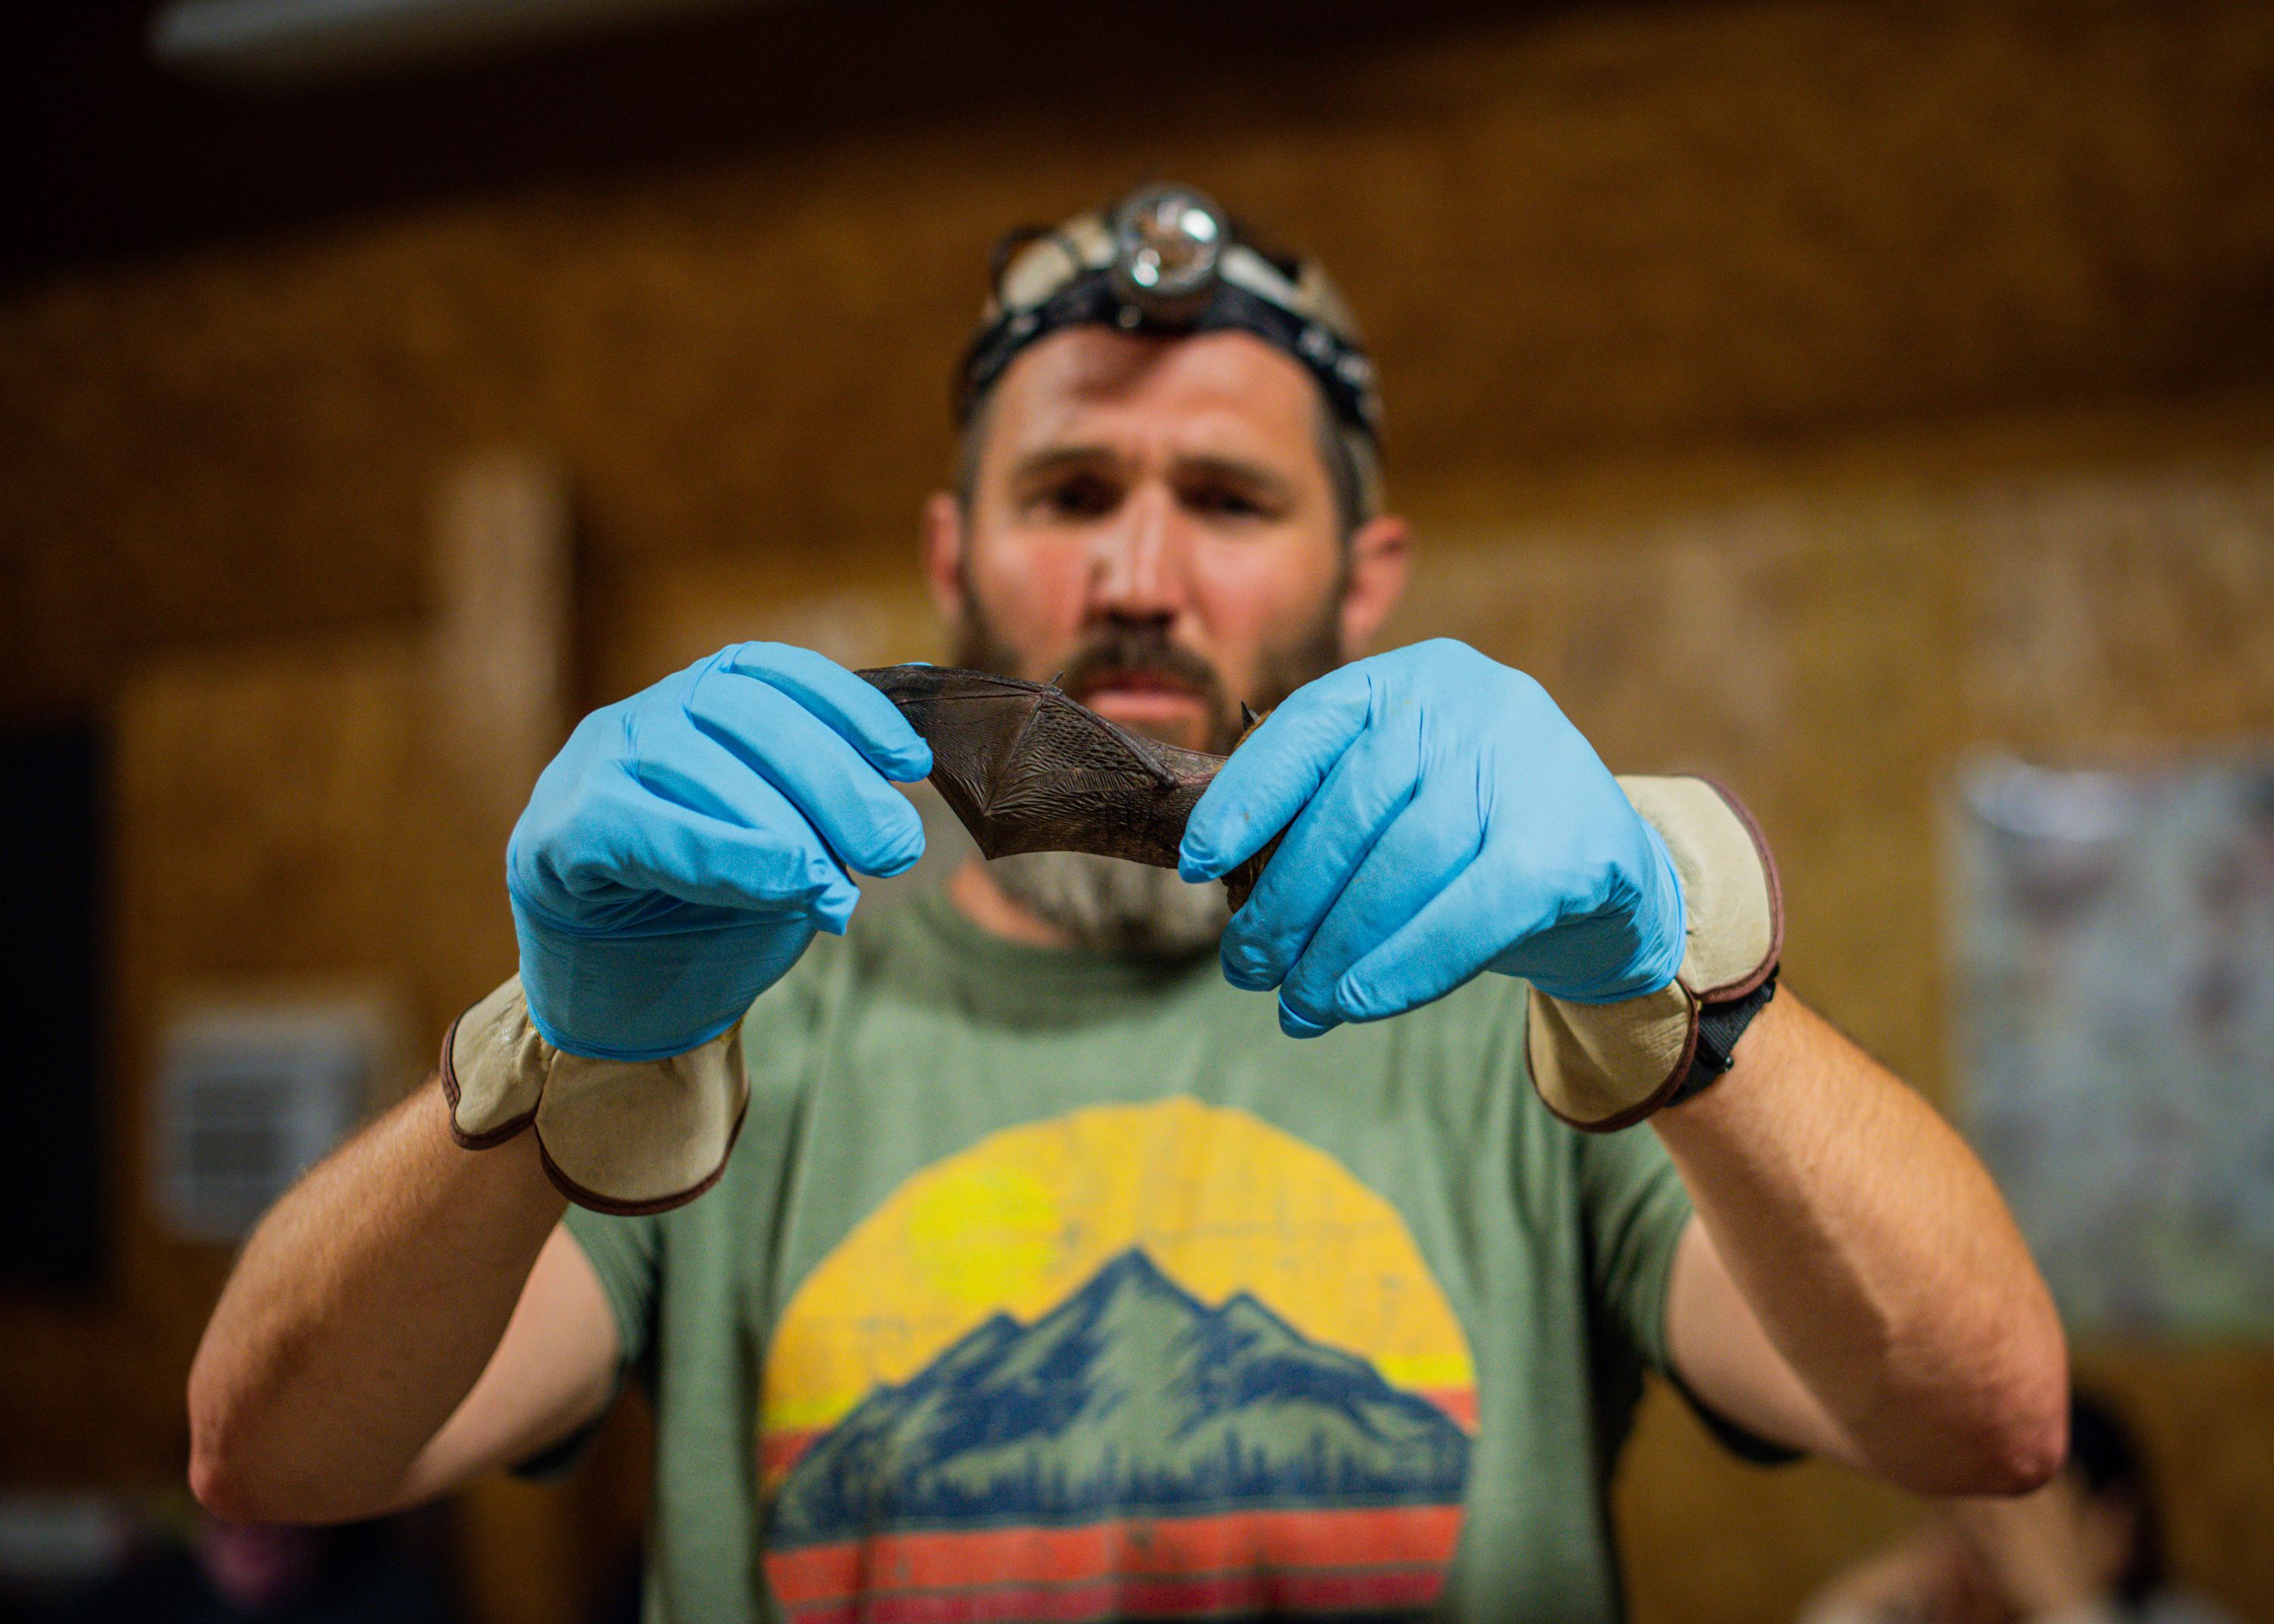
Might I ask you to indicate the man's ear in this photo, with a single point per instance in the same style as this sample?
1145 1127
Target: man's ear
943 557
1381 558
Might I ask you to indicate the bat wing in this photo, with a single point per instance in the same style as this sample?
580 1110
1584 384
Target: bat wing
1027 768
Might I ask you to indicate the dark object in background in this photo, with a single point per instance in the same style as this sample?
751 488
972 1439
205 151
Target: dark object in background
2106 1459
237 1573
52 999
180 162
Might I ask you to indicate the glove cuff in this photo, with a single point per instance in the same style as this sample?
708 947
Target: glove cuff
1603 1066
652 995
622 1137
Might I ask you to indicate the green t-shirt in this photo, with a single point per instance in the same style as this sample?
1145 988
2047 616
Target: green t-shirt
1043 1285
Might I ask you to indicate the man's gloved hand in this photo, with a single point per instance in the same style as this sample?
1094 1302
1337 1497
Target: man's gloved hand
676 858
1443 818
681 850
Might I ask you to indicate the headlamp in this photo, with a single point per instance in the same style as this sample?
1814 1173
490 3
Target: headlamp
1167 243
1166 259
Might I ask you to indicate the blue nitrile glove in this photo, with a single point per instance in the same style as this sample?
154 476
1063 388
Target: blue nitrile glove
1443 818
681 850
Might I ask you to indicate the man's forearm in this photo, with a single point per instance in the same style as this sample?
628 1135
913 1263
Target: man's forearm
1877 1256
362 1310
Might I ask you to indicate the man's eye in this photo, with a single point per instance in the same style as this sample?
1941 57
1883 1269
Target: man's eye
1080 499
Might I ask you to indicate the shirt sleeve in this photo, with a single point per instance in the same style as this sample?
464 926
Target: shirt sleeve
625 1253
1636 1209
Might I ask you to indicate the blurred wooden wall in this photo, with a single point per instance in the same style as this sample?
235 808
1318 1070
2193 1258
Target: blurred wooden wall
1809 392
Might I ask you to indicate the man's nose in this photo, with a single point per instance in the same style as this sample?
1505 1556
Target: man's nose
1138 564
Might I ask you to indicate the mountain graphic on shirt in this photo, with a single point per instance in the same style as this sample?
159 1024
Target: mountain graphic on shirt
1130 1399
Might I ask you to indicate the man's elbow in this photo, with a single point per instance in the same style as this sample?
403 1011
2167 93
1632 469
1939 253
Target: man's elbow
225 1472
239 1489
223 1475
1988 1417
224 1488
229 1475
2031 1442
2032 1436
2015 1439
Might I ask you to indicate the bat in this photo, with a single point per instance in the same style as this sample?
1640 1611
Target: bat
1025 768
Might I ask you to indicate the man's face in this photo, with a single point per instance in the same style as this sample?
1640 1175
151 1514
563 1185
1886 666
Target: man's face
1154 519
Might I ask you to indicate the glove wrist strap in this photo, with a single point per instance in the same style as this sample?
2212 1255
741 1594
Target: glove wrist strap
1719 1025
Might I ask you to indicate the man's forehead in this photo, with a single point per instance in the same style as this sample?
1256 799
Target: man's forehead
1220 387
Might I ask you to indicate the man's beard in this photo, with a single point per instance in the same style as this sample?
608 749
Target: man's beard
1134 910
1126 909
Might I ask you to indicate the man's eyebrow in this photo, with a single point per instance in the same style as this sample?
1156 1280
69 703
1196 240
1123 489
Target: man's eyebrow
1255 477
1061 459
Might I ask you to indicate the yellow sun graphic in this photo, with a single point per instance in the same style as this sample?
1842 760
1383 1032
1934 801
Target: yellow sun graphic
1221 1201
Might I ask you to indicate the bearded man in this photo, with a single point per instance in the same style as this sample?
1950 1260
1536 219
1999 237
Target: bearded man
1047 1263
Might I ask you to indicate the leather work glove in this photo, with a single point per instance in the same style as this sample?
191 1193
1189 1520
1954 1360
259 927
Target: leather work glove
1441 818
675 861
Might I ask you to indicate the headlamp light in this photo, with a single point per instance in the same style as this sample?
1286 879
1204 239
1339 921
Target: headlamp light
1167 243
1166 259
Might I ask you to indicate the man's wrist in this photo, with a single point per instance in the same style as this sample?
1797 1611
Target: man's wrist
1602 1067
516 1161
652 995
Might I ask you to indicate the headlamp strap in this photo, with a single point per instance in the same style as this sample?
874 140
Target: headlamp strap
1092 300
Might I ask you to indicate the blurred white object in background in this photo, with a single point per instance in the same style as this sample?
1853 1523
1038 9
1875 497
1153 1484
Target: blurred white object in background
2114 950
51 1544
250 1095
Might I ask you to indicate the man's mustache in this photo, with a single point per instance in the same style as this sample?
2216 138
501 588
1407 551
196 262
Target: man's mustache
1118 654
1118 650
